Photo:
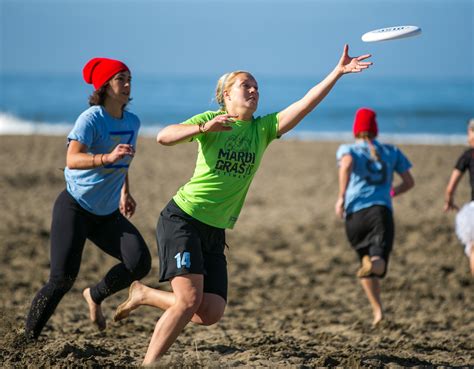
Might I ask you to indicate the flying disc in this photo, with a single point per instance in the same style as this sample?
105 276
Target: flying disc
391 33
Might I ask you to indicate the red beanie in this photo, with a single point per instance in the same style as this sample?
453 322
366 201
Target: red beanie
98 71
364 121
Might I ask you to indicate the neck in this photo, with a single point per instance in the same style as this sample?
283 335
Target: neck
245 115
114 109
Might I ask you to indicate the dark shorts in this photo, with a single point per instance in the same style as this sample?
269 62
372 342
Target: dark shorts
371 231
186 245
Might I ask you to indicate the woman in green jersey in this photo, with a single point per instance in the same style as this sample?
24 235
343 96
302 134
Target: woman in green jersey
191 228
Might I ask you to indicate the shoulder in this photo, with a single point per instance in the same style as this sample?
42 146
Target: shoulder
469 152
344 149
89 117
388 148
267 117
267 123
131 117
467 155
93 112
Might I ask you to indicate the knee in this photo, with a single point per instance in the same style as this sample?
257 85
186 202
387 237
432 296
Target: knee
142 267
211 310
61 284
190 302
212 316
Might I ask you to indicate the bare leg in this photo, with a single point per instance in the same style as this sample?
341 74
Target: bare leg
188 290
95 311
138 295
371 287
210 311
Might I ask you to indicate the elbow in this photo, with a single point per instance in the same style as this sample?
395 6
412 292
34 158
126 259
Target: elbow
163 141
410 183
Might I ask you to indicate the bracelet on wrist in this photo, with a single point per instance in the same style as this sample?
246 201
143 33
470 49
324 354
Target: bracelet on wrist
102 160
201 127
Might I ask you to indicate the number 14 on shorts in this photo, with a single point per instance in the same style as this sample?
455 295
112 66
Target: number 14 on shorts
183 260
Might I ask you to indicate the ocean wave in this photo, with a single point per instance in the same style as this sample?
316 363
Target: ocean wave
12 125
394 138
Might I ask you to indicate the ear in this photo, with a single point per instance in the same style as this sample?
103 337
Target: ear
226 95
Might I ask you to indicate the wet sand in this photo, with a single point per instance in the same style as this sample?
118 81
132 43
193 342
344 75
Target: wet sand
294 300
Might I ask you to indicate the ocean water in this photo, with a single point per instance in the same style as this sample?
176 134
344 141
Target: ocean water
409 110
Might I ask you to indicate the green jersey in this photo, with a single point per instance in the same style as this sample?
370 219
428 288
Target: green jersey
225 166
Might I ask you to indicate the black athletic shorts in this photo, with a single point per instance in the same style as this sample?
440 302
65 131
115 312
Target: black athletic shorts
186 245
371 231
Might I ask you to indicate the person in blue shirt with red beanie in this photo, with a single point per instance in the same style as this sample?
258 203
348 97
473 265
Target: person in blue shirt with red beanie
366 170
96 203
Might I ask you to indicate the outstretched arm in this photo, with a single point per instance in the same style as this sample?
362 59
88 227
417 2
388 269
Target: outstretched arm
293 114
345 169
456 176
407 183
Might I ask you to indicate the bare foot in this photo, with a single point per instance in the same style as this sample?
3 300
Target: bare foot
378 317
132 302
95 311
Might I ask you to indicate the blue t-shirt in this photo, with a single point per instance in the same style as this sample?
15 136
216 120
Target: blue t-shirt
370 181
98 190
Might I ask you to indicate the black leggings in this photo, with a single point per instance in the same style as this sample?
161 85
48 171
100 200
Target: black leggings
71 226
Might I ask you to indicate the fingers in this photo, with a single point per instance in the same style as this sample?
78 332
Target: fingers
128 209
128 149
356 67
226 118
122 150
222 122
345 51
365 56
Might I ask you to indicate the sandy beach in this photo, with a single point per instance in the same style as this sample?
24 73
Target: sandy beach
294 300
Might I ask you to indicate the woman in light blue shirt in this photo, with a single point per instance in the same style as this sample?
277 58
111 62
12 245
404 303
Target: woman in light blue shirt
365 201
96 202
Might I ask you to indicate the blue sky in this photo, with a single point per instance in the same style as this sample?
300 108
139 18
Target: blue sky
267 37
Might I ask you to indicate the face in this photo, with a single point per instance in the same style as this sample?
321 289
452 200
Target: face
119 87
243 93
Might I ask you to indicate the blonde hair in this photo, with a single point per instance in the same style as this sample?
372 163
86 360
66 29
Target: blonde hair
225 83
368 137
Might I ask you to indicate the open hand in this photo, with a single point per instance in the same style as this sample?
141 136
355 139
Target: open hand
348 64
220 123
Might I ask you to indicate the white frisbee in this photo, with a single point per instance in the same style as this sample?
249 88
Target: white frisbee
391 33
